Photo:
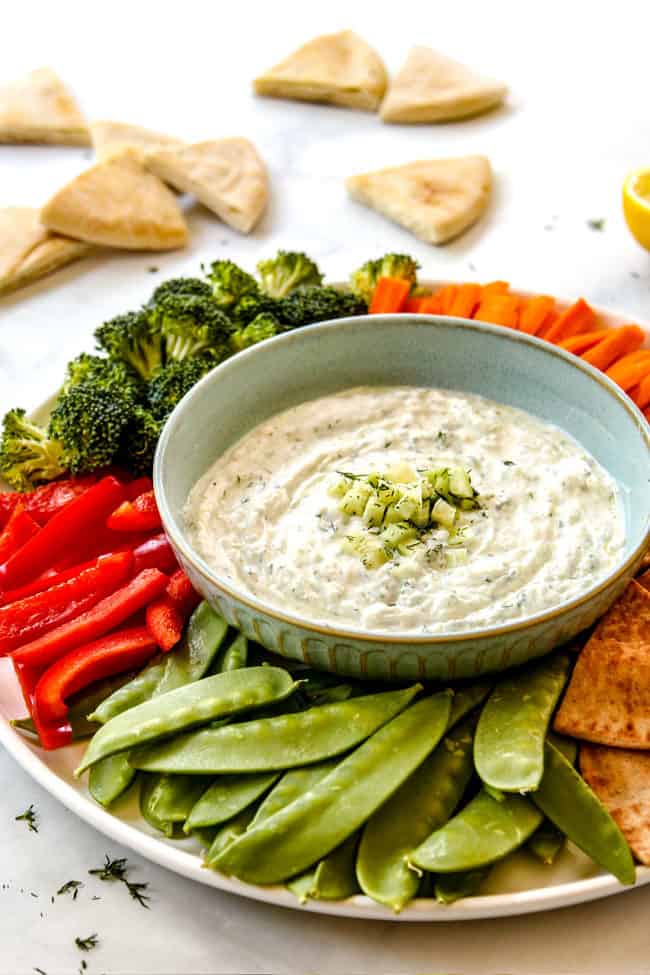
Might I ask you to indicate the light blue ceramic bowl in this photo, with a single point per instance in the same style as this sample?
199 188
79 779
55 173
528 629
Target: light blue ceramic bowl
420 351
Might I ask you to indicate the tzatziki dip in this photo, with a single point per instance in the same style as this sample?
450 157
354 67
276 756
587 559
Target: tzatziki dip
407 510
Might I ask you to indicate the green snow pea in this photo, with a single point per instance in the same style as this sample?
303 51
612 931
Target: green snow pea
566 799
568 746
467 698
189 662
422 804
279 742
333 879
292 785
483 831
229 832
205 837
226 797
235 656
196 703
108 779
546 842
451 887
509 741
167 799
318 821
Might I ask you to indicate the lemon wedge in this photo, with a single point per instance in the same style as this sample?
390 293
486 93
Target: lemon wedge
636 205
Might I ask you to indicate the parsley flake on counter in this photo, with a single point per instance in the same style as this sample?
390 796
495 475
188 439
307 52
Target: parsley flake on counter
70 887
597 224
30 817
117 870
87 944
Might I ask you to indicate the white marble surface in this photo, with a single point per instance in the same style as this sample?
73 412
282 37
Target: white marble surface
577 120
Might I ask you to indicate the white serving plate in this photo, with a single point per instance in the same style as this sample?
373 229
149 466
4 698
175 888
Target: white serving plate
517 885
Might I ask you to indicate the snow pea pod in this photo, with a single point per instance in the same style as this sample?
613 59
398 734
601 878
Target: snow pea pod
451 887
167 799
483 831
226 797
229 832
316 823
293 784
333 879
278 742
546 842
235 656
566 799
197 703
509 742
189 662
422 804
467 698
108 779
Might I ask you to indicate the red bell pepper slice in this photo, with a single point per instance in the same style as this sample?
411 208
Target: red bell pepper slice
141 485
32 660
47 580
18 530
45 501
125 650
181 590
55 735
139 515
75 520
155 553
165 622
29 618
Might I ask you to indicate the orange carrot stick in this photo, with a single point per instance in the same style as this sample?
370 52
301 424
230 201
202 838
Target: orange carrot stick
646 414
619 342
446 297
631 369
535 314
499 310
641 393
414 305
495 288
581 343
390 295
465 300
580 317
431 305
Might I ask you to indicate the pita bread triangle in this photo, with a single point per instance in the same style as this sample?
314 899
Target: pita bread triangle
436 199
607 698
621 780
119 204
432 88
21 231
39 108
112 138
339 69
226 175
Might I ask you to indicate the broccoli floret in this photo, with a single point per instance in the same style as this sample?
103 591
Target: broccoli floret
108 373
230 284
139 441
190 325
170 385
287 271
181 286
264 326
134 339
314 304
89 420
28 455
250 307
364 280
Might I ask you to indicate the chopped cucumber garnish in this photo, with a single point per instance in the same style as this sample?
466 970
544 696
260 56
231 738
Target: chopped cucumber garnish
401 505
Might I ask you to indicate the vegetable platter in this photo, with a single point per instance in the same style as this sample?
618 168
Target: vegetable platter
220 690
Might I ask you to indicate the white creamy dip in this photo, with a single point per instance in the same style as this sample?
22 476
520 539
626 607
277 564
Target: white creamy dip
550 523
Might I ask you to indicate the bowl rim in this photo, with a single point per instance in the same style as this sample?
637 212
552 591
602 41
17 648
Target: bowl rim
180 541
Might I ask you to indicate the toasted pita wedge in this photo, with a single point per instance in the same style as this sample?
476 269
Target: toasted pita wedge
50 255
339 69
621 780
608 698
226 175
20 231
119 204
112 138
433 88
39 108
436 199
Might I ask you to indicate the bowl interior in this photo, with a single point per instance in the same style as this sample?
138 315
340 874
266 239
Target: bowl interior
399 350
